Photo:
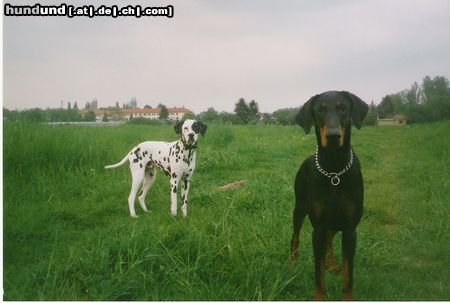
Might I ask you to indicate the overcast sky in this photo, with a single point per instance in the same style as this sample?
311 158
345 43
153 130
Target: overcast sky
211 53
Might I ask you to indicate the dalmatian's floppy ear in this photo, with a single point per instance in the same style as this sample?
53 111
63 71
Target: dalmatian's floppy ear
199 127
359 108
203 128
304 117
177 127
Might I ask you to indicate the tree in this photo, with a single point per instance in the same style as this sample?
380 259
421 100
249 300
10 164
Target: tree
163 113
69 107
371 116
117 105
189 115
35 115
253 112
11 115
386 107
211 115
241 111
75 106
89 116
228 118
436 93
105 117
285 116
268 119
147 106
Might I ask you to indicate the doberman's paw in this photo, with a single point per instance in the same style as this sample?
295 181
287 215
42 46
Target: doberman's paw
348 296
320 295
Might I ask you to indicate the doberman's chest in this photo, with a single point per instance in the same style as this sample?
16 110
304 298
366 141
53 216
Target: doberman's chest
335 207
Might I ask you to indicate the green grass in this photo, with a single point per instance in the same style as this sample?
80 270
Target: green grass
68 234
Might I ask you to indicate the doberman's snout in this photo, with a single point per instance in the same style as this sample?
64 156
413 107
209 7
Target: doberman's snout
334 137
333 133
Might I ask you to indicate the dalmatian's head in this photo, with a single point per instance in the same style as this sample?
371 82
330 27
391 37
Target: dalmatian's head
189 131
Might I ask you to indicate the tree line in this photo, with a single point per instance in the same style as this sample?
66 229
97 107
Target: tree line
427 102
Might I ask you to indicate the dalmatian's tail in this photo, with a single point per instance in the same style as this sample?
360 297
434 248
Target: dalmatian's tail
122 162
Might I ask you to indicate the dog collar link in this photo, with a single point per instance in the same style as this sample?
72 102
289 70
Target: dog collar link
334 177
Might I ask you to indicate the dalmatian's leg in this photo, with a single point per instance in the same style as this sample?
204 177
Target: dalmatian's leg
137 176
184 194
174 182
149 179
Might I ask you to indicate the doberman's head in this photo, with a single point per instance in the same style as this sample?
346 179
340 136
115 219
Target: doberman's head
332 112
189 131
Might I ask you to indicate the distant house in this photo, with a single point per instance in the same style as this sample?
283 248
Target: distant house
175 113
397 120
147 113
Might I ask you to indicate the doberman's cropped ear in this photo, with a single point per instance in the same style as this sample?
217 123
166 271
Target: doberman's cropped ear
177 127
203 128
359 108
304 117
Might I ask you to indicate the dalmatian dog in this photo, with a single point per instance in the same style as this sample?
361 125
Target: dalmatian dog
176 159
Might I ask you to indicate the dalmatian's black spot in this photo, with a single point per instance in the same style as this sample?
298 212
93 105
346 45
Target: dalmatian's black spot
176 160
174 189
140 165
135 160
190 169
159 152
168 168
174 175
150 174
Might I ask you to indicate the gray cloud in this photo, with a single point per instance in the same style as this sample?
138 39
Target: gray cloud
214 52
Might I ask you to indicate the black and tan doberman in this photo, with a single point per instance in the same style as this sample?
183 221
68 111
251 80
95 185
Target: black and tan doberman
329 184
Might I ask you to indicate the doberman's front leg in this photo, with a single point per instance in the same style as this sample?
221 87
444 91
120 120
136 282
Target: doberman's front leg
331 262
348 252
297 221
319 239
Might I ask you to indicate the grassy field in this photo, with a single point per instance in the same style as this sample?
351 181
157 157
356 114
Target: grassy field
68 234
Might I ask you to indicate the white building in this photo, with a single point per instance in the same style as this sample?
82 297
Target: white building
175 113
